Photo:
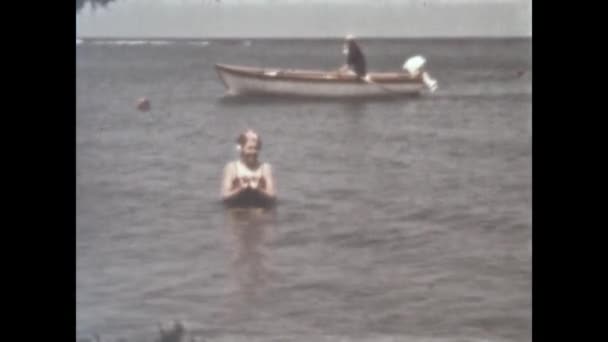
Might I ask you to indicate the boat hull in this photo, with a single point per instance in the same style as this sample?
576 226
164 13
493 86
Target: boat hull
249 81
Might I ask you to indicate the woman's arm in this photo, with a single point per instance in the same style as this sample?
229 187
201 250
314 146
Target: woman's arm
270 188
228 190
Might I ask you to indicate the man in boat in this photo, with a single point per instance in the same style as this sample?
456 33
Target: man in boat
355 60
247 181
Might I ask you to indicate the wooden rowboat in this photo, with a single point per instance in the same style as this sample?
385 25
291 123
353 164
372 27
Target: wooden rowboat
240 80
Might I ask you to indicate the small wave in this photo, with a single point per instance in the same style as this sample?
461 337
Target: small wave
481 92
247 43
79 41
131 42
159 42
216 337
203 43
119 42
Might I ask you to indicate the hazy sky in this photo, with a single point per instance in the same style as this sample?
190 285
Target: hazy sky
307 18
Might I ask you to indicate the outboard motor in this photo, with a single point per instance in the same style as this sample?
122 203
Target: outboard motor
415 66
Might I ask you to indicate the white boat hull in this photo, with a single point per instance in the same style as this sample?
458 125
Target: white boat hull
272 82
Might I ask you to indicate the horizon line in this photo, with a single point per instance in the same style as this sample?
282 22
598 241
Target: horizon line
297 37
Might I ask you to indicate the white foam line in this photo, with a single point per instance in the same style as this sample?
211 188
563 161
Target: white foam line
159 42
203 43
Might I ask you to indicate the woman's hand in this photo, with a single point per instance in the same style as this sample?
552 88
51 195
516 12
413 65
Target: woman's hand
243 183
254 184
231 184
268 188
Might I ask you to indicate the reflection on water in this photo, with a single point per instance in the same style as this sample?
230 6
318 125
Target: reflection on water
249 230
356 110
270 100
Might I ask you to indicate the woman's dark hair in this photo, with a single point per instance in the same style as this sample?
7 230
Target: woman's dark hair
242 139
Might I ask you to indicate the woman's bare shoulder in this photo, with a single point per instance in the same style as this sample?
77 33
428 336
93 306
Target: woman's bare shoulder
230 165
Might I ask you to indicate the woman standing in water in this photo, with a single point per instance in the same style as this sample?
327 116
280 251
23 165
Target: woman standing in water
247 181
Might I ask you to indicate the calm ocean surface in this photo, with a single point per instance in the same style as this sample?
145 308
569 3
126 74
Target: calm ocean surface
399 221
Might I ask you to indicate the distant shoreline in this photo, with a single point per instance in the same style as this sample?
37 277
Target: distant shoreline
298 38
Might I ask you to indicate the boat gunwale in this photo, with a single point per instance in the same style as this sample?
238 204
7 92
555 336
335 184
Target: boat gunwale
313 76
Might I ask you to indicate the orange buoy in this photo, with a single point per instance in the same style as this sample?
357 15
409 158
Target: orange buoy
143 104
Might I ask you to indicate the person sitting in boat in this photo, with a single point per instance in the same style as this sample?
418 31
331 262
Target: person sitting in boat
355 60
248 181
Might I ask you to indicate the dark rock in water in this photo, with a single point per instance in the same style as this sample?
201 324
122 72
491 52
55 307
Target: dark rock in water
143 104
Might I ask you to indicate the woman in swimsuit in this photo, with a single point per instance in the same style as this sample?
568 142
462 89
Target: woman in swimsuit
247 181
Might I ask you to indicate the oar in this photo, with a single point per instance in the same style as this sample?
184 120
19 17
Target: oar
367 79
426 79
